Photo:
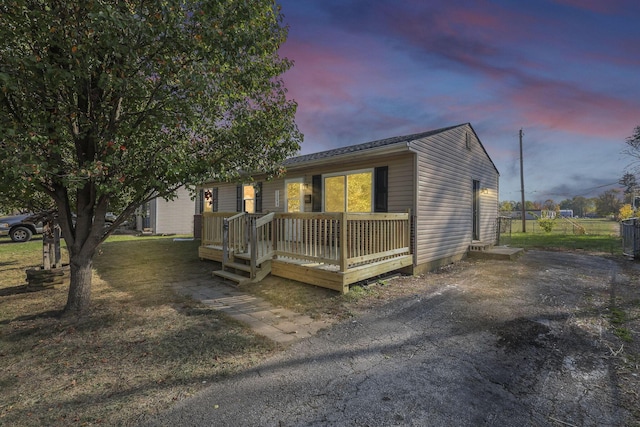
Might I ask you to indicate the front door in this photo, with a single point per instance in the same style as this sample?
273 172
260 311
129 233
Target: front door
476 210
294 192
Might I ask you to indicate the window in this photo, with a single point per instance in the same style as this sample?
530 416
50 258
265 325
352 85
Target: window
249 198
209 200
348 192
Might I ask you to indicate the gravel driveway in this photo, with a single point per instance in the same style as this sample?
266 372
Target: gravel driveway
500 343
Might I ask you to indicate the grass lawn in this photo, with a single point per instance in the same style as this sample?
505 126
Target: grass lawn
592 235
142 348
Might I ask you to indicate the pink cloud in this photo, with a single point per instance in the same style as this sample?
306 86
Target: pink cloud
567 108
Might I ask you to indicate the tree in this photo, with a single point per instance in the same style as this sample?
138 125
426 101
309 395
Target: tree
506 206
608 203
581 205
633 144
630 184
105 105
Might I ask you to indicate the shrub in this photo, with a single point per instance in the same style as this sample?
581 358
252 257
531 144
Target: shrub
546 224
625 212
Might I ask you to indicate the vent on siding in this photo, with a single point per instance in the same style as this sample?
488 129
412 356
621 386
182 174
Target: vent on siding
467 138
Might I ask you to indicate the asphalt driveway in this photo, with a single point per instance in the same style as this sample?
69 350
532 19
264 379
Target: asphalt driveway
500 343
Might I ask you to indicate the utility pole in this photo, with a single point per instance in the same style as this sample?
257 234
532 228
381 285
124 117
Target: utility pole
524 215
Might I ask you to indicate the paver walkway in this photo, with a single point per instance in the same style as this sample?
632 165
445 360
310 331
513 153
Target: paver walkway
276 323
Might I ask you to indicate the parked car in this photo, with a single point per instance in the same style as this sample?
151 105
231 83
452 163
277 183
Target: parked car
19 228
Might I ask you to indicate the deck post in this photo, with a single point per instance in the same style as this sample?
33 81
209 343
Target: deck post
407 232
343 242
274 236
254 247
225 242
247 232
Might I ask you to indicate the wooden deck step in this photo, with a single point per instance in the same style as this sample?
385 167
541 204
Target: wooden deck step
238 266
245 256
240 280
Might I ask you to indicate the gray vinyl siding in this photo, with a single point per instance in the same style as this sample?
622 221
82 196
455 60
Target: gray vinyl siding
173 217
446 171
401 184
226 197
269 195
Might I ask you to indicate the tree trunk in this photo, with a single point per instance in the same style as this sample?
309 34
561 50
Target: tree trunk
79 286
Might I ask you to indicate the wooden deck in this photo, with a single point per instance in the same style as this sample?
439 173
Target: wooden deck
311 248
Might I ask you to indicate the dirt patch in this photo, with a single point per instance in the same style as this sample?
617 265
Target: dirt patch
548 340
519 333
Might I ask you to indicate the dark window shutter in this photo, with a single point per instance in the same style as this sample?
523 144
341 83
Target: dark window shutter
381 189
316 184
239 207
200 204
258 192
214 195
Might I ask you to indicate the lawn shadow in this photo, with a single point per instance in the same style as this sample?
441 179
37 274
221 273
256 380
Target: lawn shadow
14 290
44 315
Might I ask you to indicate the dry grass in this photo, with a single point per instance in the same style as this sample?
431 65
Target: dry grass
142 348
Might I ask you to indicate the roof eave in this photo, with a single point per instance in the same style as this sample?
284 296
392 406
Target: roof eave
396 148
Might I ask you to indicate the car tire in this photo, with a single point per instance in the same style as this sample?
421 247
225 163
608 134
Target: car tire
20 234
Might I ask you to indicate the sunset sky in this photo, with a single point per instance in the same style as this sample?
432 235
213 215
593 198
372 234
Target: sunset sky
567 72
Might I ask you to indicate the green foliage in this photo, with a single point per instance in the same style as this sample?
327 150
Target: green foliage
106 105
546 224
608 203
506 206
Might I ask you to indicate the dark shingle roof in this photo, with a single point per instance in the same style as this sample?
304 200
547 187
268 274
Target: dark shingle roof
362 147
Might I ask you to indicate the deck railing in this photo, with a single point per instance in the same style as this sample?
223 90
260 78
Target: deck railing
235 235
261 243
313 237
369 237
212 225
376 237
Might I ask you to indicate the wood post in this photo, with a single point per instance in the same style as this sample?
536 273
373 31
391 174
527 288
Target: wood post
344 253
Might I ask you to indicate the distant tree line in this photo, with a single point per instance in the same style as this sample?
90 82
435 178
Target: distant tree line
616 203
605 205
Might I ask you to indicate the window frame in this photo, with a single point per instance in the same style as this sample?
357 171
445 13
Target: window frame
257 197
370 171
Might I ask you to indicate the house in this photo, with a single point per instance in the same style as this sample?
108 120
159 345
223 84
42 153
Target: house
410 203
160 216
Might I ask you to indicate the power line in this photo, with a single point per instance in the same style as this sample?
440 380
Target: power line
582 192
